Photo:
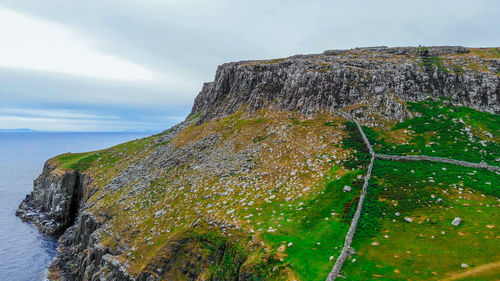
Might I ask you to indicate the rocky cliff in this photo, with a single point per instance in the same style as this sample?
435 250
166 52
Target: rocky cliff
56 199
378 77
263 174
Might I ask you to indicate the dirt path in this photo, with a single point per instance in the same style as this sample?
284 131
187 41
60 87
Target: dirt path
485 268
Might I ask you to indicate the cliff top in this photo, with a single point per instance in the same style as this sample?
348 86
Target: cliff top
378 78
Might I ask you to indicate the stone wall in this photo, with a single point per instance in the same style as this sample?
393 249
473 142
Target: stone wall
347 250
437 159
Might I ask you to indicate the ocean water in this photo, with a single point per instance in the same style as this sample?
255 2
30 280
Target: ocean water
25 254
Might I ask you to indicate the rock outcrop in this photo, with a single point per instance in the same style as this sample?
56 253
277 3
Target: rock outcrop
377 77
82 257
54 203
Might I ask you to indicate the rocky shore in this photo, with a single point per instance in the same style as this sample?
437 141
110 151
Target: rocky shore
55 201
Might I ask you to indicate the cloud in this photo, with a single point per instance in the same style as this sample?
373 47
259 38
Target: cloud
169 47
70 125
18 87
30 43
65 120
51 113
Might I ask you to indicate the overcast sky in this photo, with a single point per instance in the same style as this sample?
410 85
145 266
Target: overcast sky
104 65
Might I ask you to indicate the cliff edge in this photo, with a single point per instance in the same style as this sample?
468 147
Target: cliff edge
377 77
56 199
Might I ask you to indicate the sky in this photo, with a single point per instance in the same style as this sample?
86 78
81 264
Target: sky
136 65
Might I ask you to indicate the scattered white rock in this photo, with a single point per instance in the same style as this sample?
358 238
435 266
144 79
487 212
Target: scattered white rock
397 214
456 221
159 214
347 188
408 219
290 244
464 265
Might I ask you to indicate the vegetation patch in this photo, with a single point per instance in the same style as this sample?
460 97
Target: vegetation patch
410 235
441 130
432 63
77 161
361 156
311 235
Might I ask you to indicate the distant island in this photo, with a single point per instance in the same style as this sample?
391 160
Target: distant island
16 130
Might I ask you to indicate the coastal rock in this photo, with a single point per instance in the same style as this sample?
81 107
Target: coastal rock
54 203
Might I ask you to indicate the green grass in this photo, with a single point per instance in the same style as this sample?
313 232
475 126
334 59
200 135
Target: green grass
432 195
77 161
273 61
309 226
458 69
107 157
410 251
496 52
439 131
432 63
361 156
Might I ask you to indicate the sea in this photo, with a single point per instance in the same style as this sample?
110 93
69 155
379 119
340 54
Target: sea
25 253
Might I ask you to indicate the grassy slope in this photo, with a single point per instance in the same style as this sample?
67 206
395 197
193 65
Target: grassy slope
432 195
303 182
438 130
302 165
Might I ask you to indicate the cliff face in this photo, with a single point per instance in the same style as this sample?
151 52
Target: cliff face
253 183
54 203
379 78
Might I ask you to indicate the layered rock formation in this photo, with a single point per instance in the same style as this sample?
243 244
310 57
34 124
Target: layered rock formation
378 77
54 203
